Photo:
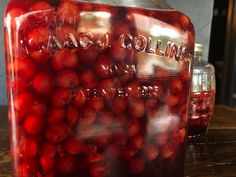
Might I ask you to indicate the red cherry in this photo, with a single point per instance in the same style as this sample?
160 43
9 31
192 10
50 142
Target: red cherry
176 86
67 79
38 38
38 109
121 120
107 88
43 13
47 163
49 150
71 61
102 67
134 127
65 58
120 28
73 146
128 153
96 103
98 170
27 148
72 115
60 150
61 98
58 59
186 76
152 107
23 103
89 149
50 174
43 83
55 115
24 68
40 6
175 141
161 139
69 12
89 55
66 164
166 152
80 98
182 134
106 118
120 139
136 165
151 152
136 108
88 79
26 169
34 124
93 158
119 104
88 117
57 133
185 21
120 54
183 97
112 152
41 56
20 85
137 142
172 100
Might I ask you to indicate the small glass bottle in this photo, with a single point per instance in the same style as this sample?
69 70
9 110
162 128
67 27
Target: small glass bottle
202 95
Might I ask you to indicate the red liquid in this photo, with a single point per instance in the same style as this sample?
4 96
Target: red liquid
201 111
76 110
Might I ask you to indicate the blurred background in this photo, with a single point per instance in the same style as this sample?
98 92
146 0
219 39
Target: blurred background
215 24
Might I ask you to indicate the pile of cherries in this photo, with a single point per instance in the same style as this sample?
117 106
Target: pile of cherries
201 112
71 115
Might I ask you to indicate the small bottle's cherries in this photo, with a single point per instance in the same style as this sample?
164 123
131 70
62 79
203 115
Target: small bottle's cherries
201 112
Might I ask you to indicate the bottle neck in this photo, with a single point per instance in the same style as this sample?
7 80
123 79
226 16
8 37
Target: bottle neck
150 4
198 57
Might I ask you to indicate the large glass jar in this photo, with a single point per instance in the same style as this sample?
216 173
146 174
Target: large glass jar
97 88
202 95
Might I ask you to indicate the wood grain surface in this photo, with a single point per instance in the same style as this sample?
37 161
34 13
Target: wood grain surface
213 157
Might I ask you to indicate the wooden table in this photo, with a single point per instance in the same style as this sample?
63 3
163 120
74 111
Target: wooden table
214 158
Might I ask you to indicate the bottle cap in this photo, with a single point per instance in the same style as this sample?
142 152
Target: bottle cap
198 49
203 72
